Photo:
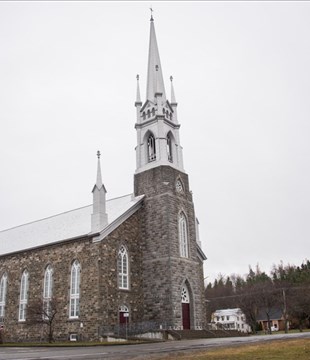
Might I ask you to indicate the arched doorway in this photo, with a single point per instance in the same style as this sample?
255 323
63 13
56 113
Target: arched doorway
186 319
123 314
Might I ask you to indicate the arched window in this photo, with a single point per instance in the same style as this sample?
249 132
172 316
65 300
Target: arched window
151 148
47 291
148 113
169 148
75 290
183 235
23 298
3 286
122 268
167 114
153 112
143 115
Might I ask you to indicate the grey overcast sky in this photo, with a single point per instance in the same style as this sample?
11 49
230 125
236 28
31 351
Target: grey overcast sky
242 81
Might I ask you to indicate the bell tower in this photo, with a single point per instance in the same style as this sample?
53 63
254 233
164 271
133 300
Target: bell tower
173 288
157 126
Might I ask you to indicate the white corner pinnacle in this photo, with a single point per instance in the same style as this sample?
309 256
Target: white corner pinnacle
99 217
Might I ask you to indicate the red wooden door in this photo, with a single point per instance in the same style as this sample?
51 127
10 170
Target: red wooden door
186 316
122 318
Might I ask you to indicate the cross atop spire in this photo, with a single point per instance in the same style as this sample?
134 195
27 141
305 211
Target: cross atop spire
151 13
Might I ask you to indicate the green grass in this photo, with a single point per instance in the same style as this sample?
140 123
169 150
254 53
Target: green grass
274 350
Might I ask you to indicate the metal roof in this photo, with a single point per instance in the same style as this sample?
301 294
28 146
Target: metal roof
61 227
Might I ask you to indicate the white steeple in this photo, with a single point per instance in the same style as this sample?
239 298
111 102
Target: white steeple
157 126
155 81
99 217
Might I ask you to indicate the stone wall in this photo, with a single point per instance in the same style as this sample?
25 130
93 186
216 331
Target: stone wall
164 270
100 297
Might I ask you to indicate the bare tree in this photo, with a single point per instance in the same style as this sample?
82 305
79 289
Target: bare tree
44 312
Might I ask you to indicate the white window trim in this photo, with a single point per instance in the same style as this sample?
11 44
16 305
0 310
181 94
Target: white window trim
3 289
23 299
75 290
47 290
183 235
122 271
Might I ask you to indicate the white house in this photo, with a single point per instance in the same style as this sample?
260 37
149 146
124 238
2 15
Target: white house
230 319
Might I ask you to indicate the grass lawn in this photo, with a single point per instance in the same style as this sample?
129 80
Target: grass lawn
275 350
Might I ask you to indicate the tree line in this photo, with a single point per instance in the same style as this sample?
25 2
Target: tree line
287 288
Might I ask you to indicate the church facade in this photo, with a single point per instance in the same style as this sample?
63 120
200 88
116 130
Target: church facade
134 260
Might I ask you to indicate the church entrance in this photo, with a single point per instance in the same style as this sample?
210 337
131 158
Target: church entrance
123 314
186 322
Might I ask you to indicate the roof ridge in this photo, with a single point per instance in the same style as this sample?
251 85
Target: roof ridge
58 214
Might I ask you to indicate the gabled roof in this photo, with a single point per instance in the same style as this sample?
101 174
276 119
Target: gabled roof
274 314
65 226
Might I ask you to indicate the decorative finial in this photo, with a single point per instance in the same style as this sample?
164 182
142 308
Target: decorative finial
151 13
137 76
171 78
98 154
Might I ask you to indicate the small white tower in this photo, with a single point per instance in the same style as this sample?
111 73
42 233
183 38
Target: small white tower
99 217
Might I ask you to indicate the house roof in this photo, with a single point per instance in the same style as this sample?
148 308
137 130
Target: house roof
274 314
224 312
65 226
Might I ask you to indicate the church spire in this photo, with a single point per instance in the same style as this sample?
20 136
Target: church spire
155 81
99 217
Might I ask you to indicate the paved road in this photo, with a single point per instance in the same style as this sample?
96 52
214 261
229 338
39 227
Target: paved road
142 351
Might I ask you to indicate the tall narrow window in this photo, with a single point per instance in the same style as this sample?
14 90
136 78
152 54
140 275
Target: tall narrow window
75 290
122 268
151 149
183 235
169 147
23 299
3 286
47 291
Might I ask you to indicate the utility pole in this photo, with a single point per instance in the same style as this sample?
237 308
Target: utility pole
285 311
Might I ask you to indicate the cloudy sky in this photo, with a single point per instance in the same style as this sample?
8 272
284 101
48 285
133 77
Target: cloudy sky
242 80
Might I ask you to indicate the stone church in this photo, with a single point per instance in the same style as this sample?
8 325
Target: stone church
133 260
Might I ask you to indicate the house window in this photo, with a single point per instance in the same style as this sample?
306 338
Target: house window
218 318
3 286
227 318
148 113
153 112
75 290
143 115
183 235
169 147
122 268
151 148
47 291
23 298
